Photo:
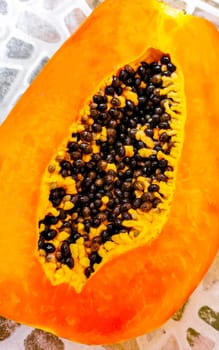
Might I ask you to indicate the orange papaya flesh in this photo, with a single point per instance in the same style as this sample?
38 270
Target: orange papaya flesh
109 187
137 290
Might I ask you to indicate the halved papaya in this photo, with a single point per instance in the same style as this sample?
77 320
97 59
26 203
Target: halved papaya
108 166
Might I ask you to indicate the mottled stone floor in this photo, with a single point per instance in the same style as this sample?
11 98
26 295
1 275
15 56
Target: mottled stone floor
30 33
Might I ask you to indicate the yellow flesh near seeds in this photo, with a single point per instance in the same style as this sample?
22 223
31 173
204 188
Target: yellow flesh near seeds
145 226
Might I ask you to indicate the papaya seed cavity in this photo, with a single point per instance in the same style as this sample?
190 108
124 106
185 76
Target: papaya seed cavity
109 187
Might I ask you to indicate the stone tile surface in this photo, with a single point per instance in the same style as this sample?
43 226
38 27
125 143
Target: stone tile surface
171 344
7 77
37 27
214 3
19 49
7 327
51 4
3 7
198 341
210 16
30 33
179 4
210 316
212 277
128 345
93 3
38 69
74 19
39 340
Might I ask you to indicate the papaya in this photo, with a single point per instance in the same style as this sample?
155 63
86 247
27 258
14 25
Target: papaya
108 169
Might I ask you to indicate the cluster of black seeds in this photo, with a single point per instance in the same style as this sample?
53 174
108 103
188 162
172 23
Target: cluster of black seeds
94 180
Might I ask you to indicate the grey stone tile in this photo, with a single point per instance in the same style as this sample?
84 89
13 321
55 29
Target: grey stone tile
149 338
7 77
171 344
7 327
127 345
209 316
19 49
198 341
51 4
212 277
178 4
179 314
37 27
93 3
40 340
74 19
201 13
38 69
3 7
212 2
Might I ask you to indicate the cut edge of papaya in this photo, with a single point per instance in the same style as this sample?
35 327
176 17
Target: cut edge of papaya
175 262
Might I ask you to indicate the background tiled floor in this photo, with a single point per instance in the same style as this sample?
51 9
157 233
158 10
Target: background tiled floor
30 32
